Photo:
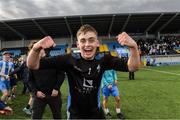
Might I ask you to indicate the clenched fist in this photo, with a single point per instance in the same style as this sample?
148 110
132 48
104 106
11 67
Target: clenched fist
44 43
125 39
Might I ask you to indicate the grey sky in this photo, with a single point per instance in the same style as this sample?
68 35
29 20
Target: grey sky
18 9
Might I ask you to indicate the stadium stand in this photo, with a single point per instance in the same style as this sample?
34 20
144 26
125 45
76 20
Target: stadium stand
15 52
103 48
177 49
113 53
59 50
164 27
163 46
111 45
132 23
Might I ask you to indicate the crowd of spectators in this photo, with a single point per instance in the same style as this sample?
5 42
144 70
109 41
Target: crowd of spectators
163 46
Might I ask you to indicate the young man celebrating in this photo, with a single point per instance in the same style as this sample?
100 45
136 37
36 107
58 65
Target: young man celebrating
85 70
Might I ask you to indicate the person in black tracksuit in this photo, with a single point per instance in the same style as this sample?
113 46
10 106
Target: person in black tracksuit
45 86
44 82
84 70
23 72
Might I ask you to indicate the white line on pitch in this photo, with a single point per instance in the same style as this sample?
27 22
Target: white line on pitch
160 71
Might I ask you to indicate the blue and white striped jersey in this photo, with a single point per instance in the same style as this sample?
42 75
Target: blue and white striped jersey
5 69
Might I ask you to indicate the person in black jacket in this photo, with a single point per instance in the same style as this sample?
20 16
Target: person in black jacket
84 70
24 76
45 86
23 72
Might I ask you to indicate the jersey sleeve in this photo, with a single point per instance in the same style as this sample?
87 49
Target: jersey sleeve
119 64
58 62
60 79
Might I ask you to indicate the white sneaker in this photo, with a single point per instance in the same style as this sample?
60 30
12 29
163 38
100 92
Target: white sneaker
27 111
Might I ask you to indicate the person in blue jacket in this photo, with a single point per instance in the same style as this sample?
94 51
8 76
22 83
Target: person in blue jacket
109 87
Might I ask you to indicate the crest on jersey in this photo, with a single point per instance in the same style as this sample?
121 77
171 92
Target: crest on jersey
88 83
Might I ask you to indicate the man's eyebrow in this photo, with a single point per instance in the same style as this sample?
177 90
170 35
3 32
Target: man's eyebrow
82 39
91 38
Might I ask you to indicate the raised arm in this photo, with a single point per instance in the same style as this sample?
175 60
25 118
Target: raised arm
134 59
33 58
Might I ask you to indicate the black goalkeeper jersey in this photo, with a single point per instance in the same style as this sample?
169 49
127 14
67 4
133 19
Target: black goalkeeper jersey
84 77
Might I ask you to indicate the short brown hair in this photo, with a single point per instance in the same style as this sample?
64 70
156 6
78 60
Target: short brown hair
86 28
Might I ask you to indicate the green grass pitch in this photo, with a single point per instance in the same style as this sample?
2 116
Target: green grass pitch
154 94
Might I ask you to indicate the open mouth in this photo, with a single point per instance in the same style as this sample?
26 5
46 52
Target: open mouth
88 51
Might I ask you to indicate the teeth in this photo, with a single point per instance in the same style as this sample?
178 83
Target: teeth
88 49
